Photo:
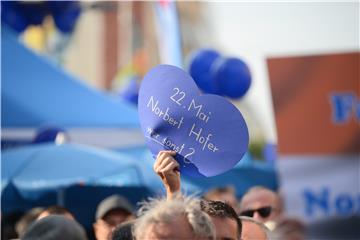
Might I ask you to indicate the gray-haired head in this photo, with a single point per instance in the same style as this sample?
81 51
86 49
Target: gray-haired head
167 214
246 231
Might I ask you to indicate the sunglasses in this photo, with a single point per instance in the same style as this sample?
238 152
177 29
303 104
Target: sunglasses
264 212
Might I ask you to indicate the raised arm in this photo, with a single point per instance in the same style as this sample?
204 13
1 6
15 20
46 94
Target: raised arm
168 169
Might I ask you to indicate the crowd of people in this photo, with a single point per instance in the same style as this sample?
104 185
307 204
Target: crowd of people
215 215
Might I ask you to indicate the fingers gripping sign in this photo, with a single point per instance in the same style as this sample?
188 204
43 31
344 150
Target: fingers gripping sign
168 169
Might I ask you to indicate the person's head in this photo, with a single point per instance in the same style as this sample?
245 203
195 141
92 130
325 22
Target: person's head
124 231
253 230
56 210
223 194
262 204
291 229
227 224
111 212
179 218
28 218
8 224
55 227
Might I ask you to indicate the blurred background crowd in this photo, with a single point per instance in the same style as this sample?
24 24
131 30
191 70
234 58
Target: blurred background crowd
71 143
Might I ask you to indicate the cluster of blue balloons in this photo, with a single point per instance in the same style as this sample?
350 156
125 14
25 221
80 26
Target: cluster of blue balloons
20 14
215 74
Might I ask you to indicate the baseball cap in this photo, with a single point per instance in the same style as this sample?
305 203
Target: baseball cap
55 227
111 203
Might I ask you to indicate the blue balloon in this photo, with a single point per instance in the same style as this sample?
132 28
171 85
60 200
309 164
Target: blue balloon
199 69
65 14
12 17
131 91
34 12
232 76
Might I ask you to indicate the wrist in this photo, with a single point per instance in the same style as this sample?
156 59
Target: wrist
172 193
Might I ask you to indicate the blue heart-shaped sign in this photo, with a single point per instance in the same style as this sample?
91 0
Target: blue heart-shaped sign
208 133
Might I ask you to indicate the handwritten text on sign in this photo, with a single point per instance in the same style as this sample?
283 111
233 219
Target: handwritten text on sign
208 132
